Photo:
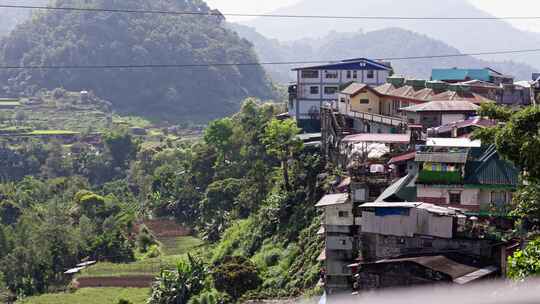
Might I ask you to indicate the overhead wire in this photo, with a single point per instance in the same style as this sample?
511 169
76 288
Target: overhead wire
216 13
227 64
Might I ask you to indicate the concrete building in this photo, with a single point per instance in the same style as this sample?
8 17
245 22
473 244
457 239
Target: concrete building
436 113
317 85
340 246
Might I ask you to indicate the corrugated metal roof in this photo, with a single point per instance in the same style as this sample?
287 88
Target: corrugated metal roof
449 157
350 64
443 106
354 88
438 263
401 189
477 122
490 170
333 199
391 205
453 143
460 74
379 138
401 158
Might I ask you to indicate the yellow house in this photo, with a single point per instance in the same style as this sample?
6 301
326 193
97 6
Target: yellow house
358 97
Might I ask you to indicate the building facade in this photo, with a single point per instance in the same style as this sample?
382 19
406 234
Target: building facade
317 85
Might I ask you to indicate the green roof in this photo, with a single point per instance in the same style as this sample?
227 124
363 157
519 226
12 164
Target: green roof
403 190
490 170
460 74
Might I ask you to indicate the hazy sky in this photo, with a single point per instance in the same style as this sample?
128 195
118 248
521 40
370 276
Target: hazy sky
495 7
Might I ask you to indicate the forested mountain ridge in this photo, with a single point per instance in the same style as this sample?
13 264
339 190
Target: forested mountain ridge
466 35
75 38
384 43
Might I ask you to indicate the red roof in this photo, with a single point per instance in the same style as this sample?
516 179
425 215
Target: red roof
379 138
403 157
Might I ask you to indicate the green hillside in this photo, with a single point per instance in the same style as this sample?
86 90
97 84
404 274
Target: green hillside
75 38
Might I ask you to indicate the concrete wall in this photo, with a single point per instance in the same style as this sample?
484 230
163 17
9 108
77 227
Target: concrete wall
339 243
398 225
469 197
372 107
378 247
338 268
418 222
331 215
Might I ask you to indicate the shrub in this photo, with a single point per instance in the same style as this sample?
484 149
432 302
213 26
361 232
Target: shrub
236 276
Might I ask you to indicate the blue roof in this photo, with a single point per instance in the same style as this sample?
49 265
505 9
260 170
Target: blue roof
350 64
460 74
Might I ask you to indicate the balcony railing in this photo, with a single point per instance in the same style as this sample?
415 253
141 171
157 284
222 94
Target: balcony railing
440 177
387 120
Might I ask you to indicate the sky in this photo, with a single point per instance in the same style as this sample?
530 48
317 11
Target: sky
495 7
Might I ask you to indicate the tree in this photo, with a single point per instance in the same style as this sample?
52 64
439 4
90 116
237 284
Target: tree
236 276
281 141
122 147
219 134
518 141
179 285
525 263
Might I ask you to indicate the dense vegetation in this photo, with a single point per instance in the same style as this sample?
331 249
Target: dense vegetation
248 188
75 38
517 141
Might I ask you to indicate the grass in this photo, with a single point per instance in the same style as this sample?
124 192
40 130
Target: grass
173 250
179 245
92 296
53 132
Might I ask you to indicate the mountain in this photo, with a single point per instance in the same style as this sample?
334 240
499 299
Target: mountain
385 43
75 38
467 36
13 16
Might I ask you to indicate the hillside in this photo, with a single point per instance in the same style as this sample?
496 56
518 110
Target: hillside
74 38
467 36
385 43
11 16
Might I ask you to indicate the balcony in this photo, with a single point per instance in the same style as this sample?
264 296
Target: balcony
440 177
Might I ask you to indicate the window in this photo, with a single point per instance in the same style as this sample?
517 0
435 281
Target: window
343 242
314 90
310 74
342 100
343 214
348 74
330 90
405 104
498 197
364 101
354 74
455 198
331 74
370 74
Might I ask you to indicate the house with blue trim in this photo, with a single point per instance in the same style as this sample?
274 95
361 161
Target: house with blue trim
317 85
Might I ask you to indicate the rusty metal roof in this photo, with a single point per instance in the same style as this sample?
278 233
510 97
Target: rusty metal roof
438 263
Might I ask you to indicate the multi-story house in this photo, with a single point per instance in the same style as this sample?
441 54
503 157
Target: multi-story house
317 85
460 173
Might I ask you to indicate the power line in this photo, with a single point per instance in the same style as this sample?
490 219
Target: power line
288 16
206 65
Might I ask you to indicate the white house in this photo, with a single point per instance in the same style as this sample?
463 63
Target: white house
317 85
